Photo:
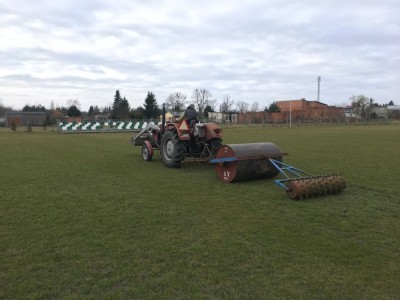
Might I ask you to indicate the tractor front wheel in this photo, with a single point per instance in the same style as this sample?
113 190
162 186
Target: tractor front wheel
146 152
172 150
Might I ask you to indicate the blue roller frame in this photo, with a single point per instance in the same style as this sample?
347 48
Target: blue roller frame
287 171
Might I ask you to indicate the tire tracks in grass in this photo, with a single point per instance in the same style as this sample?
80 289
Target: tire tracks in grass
374 190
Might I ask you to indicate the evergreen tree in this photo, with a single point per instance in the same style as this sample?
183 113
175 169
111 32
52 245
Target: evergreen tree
137 113
34 108
73 111
273 107
106 110
96 110
207 109
120 108
151 109
90 113
116 105
124 109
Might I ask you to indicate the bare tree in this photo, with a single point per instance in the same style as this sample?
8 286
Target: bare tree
227 104
201 98
360 105
73 102
176 102
255 107
4 109
213 104
242 108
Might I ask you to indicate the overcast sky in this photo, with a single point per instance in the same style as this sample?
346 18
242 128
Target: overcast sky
267 50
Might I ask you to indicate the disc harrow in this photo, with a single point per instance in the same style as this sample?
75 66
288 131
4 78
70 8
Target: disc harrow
299 184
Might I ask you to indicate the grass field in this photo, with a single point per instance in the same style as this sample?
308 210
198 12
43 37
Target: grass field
83 216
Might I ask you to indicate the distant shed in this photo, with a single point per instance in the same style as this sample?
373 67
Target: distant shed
23 118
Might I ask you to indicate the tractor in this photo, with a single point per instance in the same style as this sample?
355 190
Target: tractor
179 143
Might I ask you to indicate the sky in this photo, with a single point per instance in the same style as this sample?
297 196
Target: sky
52 52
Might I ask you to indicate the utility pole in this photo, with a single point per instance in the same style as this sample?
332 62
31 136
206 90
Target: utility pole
319 82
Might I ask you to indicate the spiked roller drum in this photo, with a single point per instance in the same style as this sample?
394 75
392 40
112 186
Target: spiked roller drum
299 184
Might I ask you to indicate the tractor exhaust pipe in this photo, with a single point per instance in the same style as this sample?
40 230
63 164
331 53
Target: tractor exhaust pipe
163 119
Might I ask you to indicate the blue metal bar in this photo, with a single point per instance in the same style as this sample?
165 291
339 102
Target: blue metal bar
223 160
274 163
290 169
280 183
296 172
287 170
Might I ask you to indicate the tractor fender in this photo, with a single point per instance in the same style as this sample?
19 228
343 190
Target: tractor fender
212 131
182 134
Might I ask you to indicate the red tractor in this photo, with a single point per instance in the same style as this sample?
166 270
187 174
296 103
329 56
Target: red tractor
179 143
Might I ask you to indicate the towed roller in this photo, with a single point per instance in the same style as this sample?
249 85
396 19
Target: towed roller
240 162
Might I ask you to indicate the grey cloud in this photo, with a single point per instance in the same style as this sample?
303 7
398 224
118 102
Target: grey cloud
253 50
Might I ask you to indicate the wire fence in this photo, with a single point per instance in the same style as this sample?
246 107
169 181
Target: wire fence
139 124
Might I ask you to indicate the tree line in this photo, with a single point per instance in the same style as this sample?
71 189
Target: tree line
363 106
121 109
177 102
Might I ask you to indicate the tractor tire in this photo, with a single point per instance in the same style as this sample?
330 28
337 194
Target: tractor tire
146 153
172 150
215 144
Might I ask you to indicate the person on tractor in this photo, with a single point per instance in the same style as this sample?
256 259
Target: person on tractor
190 114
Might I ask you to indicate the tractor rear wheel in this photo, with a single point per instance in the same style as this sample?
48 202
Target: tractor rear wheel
172 150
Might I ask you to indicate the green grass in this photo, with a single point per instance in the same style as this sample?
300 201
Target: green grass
83 216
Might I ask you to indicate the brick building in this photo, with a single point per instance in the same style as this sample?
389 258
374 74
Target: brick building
309 110
299 110
23 118
393 112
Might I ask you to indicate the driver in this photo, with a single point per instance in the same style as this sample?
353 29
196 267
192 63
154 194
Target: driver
190 114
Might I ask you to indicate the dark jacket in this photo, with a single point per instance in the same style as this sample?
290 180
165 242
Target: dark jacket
190 114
